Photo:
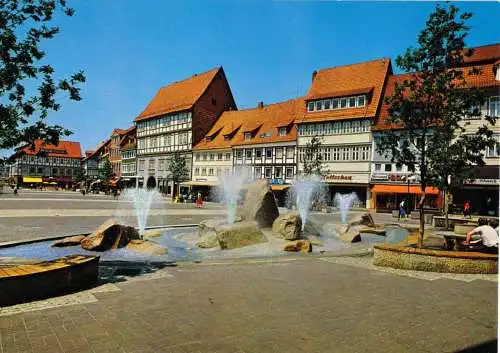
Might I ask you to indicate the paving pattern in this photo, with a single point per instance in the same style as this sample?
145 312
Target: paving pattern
307 305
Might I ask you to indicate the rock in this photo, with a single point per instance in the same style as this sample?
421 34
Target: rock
312 228
351 236
69 241
342 228
288 226
365 219
208 241
109 235
146 247
299 245
237 235
208 226
153 233
259 205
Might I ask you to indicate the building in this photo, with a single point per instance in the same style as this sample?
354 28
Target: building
175 120
259 143
341 105
42 163
391 184
128 146
115 156
90 165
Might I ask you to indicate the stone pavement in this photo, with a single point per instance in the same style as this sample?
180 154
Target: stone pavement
301 305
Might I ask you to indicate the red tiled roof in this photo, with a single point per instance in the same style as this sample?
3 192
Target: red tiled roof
98 148
266 119
484 53
65 149
349 80
485 79
178 96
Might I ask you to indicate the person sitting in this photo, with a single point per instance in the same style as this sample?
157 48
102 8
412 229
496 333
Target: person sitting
484 237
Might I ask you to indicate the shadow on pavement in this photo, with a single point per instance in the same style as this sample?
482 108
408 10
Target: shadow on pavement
486 347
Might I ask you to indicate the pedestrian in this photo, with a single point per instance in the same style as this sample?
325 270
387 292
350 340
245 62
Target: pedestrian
402 211
199 201
467 209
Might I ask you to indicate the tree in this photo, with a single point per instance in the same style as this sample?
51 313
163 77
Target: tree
80 175
177 169
28 87
313 159
107 171
430 105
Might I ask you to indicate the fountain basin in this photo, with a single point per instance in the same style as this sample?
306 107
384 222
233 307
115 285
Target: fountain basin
411 258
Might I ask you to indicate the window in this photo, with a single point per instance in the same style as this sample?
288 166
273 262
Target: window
258 153
203 171
248 136
214 101
336 154
32 170
197 156
39 170
355 153
219 172
335 103
310 106
377 167
289 173
257 173
211 171
239 154
282 131
345 153
361 101
289 152
279 152
278 172
212 156
269 153
161 164
387 167
399 168
473 113
327 104
219 156
54 171
343 103
493 151
142 164
268 173
205 156
151 164
227 156
365 153
196 171
248 154
494 106
319 105
352 102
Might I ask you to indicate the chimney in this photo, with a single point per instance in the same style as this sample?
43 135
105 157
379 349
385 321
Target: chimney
260 105
314 75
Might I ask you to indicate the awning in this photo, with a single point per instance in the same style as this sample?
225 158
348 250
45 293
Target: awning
279 187
32 179
199 183
403 189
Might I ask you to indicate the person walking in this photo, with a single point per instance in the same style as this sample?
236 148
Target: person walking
199 201
402 211
467 209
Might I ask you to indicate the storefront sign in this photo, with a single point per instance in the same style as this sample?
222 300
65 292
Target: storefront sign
380 176
338 177
484 181
276 181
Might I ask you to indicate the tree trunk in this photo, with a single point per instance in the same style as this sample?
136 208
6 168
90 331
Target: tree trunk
446 206
420 240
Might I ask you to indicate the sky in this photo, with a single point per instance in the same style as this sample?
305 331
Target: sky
128 49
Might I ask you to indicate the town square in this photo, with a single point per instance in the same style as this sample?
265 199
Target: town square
240 177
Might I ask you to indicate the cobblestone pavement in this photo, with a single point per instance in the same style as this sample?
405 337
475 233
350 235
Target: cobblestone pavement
304 305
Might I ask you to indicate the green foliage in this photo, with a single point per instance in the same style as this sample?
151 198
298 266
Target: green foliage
313 159
80 175
431 104
107 171
28 87
177 167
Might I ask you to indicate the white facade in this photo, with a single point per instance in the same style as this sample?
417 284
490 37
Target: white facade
210 166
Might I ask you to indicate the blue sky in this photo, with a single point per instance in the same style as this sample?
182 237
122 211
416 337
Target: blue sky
129 48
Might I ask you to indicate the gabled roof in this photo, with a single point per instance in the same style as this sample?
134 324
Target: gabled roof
127 132
342 81
178 96
489 52
65 149
98 149
258 120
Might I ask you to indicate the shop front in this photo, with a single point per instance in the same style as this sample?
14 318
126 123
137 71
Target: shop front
386 197
347 184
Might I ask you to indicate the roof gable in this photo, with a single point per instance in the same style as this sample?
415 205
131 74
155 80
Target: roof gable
65 149
178 96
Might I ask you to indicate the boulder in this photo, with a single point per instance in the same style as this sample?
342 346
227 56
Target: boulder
288 226
299 245
351 236
312 228
365 219
69 241
109 235
259 205
208 240
207 226
146 247
237 235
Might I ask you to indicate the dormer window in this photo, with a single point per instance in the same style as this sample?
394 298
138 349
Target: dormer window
282 131
310 106
227 137
208 138
248 136
337 103
361 101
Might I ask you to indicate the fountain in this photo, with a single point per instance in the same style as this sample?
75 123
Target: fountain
229 193
135 204
303 192
344 202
